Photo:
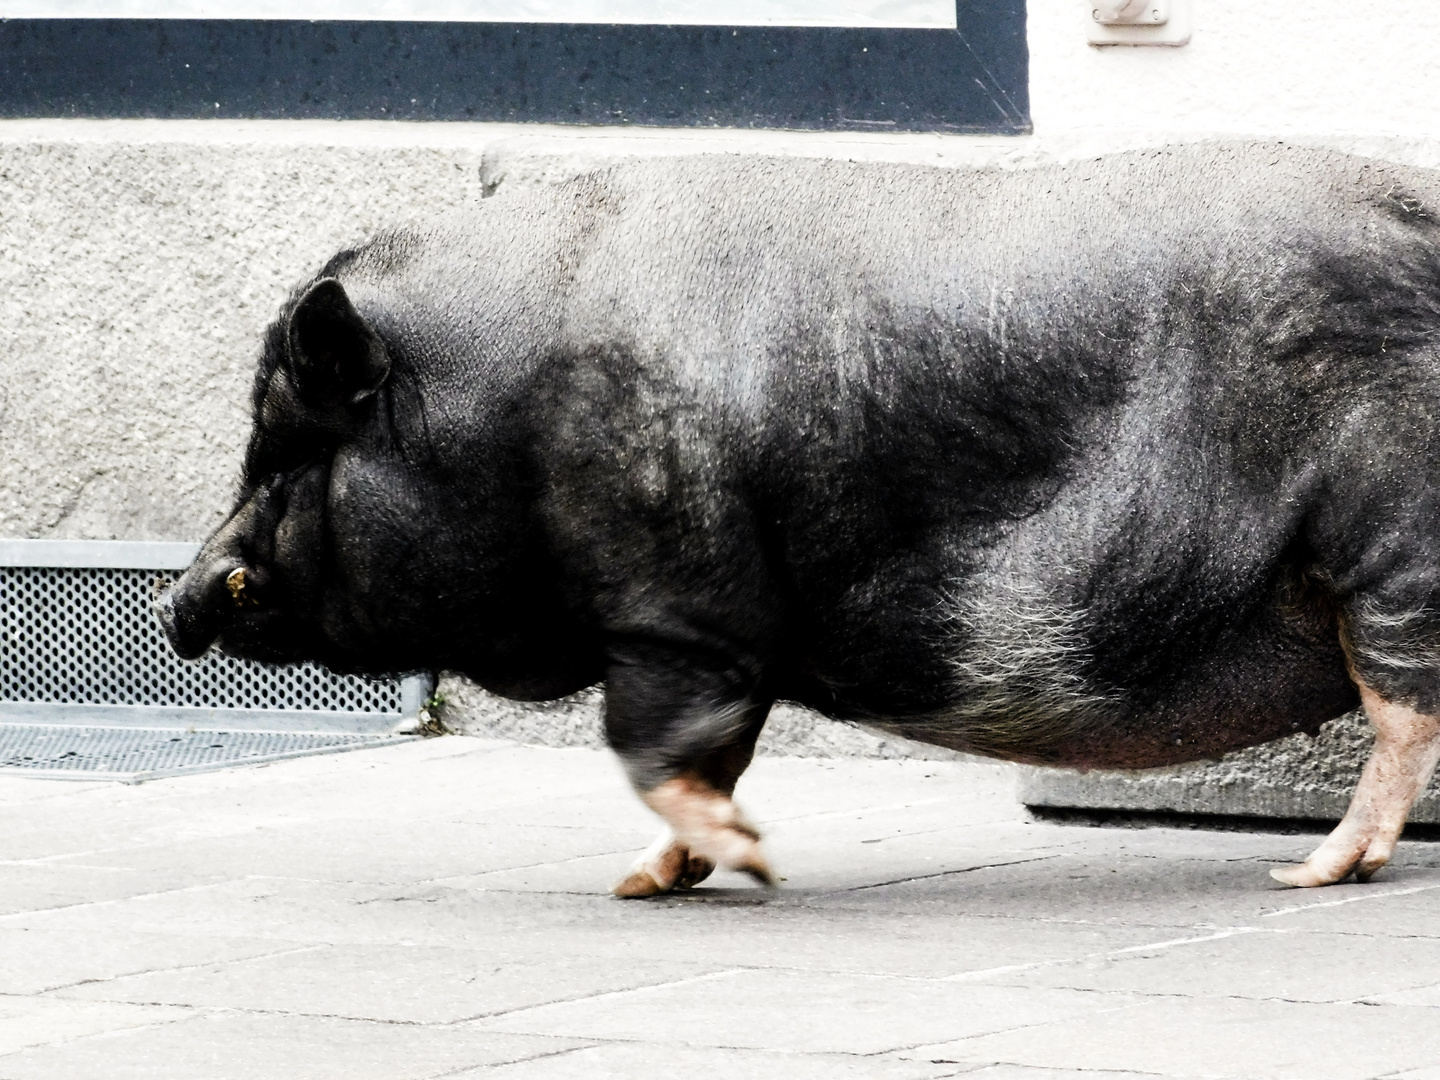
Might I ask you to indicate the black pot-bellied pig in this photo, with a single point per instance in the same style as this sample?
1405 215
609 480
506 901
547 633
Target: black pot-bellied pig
1119 463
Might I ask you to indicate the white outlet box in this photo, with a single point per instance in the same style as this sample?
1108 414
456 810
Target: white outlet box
1129 22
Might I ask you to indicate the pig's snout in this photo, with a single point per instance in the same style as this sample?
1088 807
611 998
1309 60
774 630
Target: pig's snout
188 635
194 610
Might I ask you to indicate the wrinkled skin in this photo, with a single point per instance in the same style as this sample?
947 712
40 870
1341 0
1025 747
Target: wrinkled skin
1122 463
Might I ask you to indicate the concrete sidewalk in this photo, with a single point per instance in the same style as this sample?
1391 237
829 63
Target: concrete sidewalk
440 909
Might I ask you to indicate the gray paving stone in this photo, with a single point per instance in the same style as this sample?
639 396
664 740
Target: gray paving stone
897 943
842 854
36 960
1267 963
347 916
27 888
807 863
804 937
397 851
823 836
458 785
27 790
1252 1040
810 938
610 807
1187 844
288 910
32 1022
1401 905
625 1061
402 984
591 875
805 1012
381 785
227 1046
1025 1072
1428 995
1078 886
777 789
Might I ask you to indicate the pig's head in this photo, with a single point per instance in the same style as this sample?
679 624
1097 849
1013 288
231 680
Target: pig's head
264 585
373 532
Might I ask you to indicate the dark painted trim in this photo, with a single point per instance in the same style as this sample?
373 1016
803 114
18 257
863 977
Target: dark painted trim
973 79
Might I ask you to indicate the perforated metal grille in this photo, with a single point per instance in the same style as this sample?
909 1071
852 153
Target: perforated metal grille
141 753
86 636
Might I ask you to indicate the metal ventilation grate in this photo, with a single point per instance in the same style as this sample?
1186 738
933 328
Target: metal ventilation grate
85 636
79 645
135 754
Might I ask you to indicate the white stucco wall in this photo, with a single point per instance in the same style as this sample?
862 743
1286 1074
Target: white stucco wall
1274 67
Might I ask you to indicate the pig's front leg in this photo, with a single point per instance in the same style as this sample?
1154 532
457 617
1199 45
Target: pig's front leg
1407 746
685 724
705 829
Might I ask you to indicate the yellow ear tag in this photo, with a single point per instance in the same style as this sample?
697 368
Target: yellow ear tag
235 582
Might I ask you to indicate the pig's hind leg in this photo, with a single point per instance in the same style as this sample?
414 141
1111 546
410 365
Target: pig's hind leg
1407 747
685 731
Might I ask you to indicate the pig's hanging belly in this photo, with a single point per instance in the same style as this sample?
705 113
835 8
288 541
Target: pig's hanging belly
1024 689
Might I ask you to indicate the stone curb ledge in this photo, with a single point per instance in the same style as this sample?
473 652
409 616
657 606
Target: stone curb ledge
1299 777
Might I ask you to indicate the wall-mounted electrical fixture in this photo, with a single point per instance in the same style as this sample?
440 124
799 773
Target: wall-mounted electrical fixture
1139 22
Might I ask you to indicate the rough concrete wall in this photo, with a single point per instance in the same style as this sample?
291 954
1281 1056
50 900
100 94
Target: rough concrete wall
135 280
577 721
1295 777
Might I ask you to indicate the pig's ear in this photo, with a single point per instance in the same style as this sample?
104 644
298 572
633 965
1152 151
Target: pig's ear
335 358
